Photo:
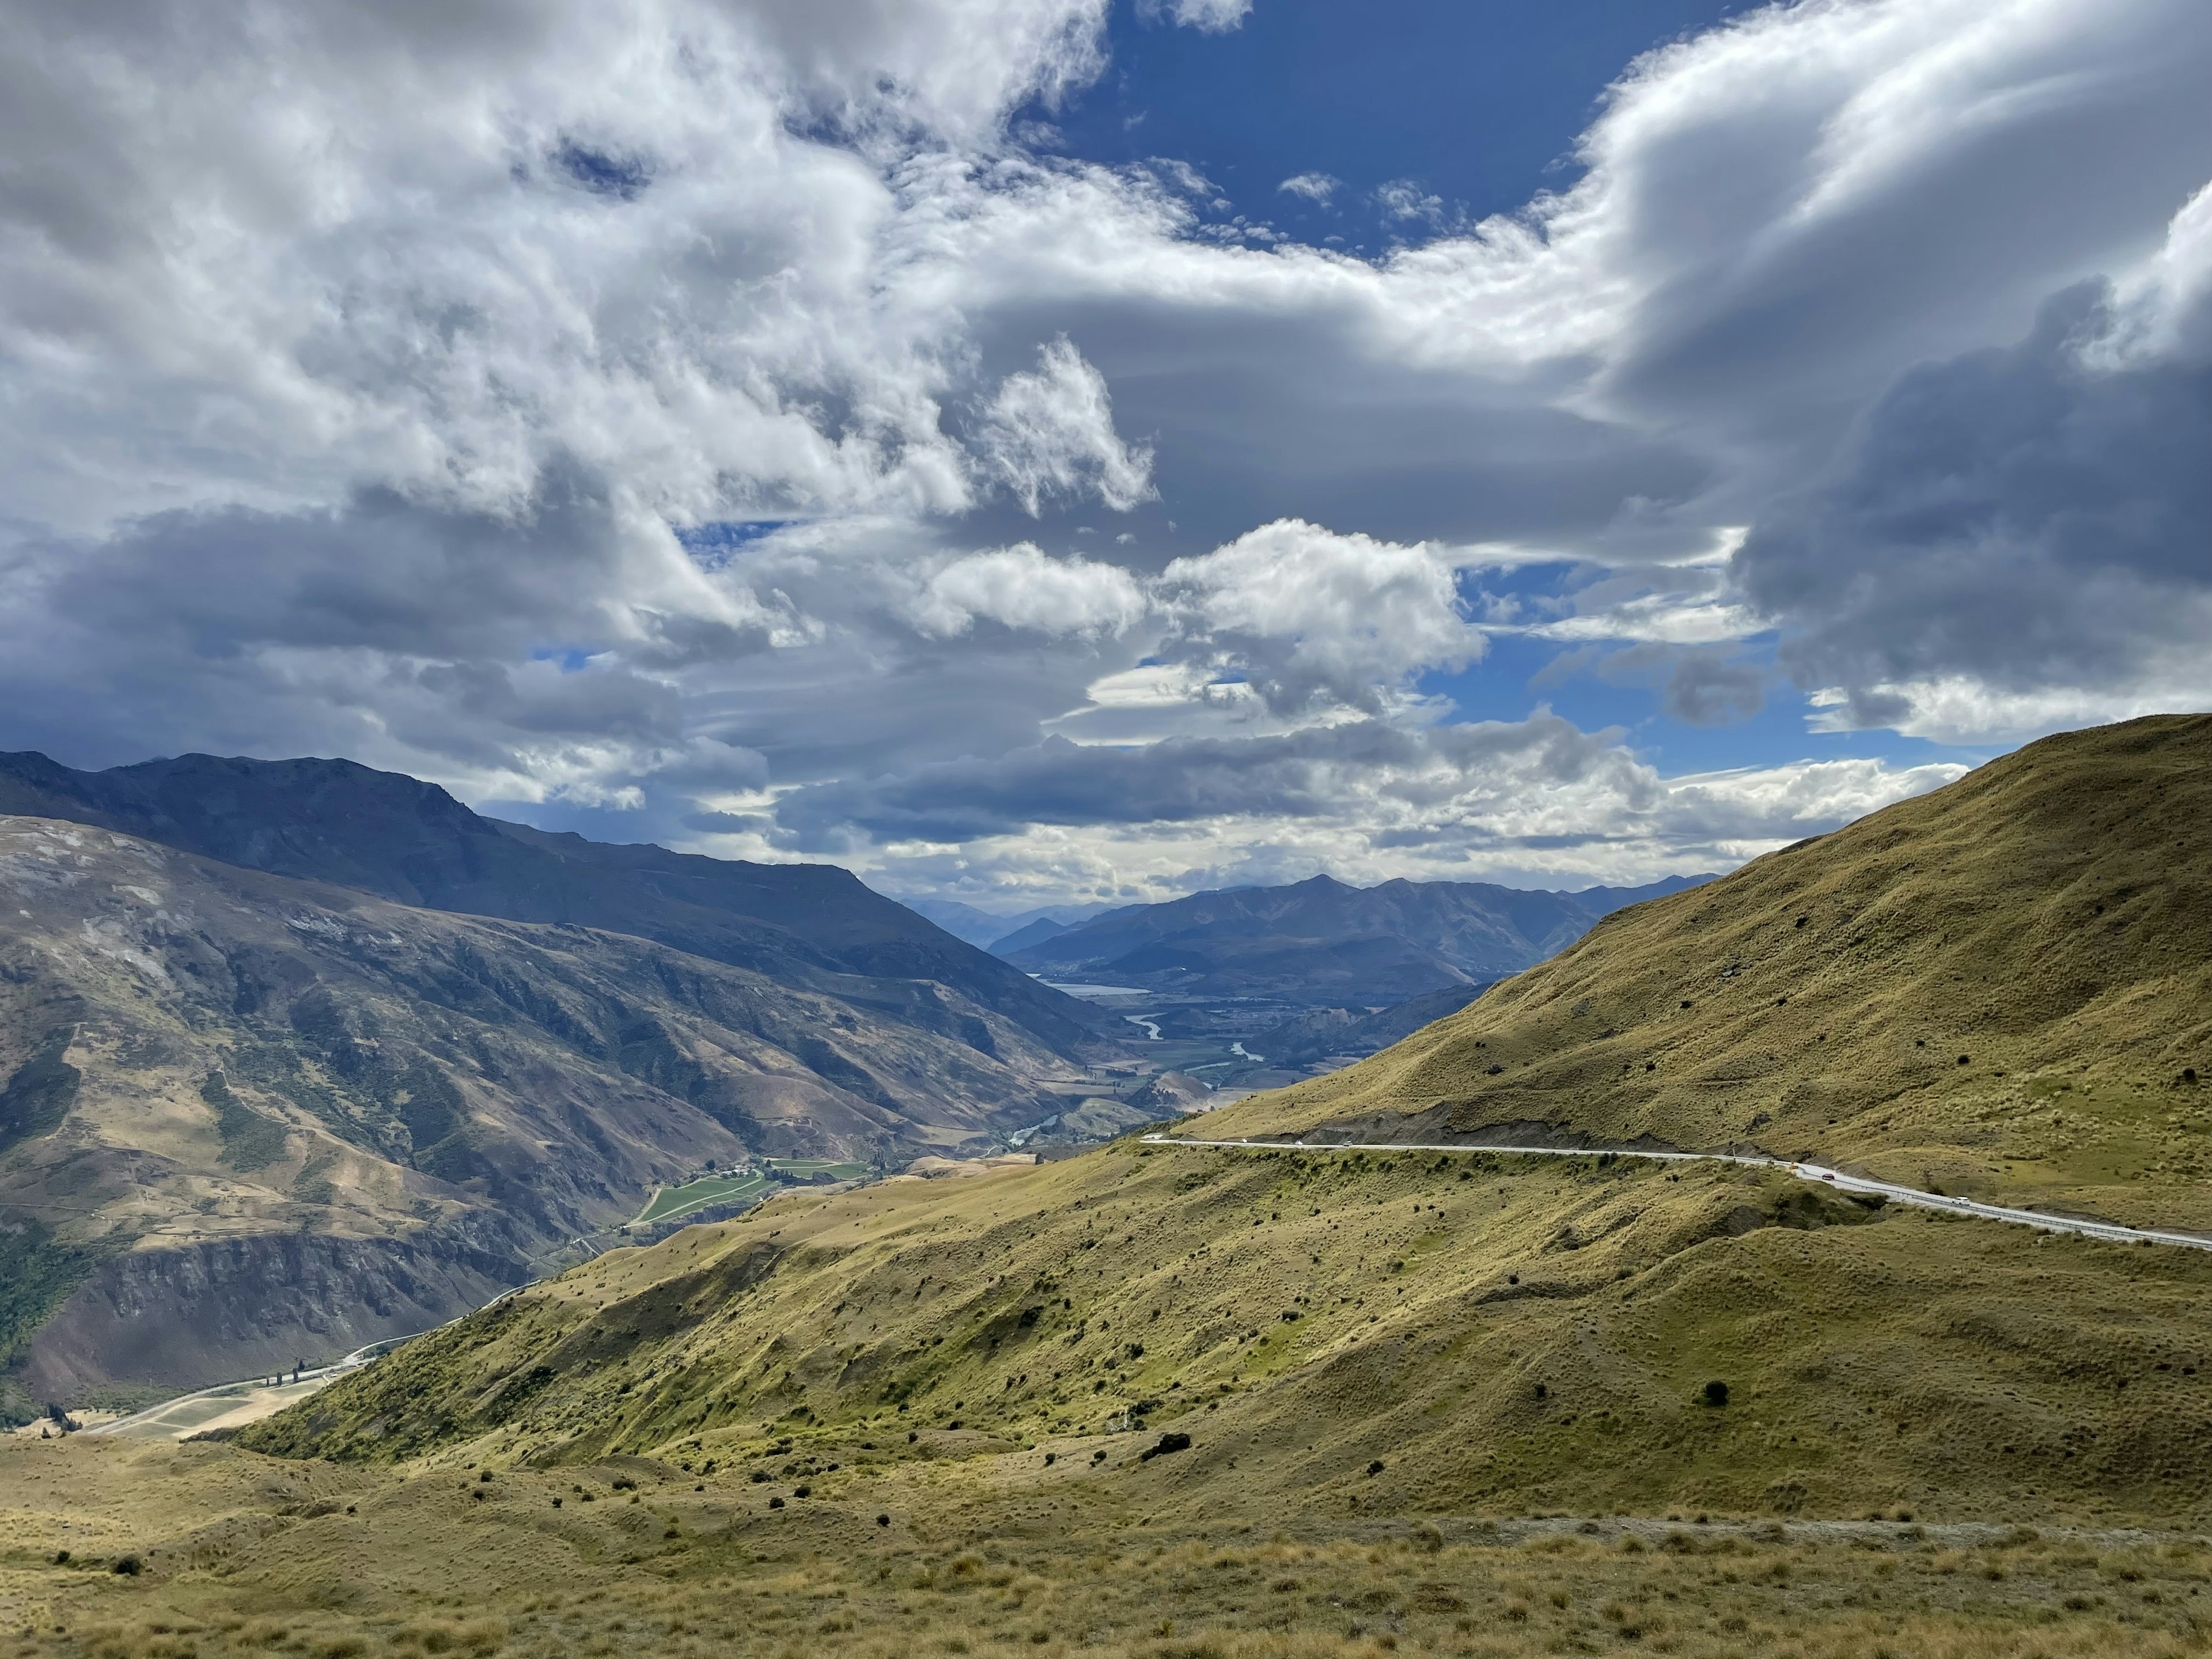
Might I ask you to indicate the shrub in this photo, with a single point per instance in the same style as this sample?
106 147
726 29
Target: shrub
1169 1443
129 1565
1716 1393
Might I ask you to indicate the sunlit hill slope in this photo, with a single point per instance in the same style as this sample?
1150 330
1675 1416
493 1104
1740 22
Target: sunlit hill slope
2003 989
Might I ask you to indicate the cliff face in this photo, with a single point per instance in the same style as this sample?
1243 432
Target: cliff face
207 1313
203 1066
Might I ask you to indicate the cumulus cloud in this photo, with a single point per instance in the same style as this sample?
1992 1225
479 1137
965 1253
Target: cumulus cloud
1308 614
663 403
1050 436
1021 587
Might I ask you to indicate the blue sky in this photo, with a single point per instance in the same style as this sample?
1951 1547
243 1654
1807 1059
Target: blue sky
932 438
1478 103
1478 106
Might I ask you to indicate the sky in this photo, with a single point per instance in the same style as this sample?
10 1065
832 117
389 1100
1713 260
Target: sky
1040 452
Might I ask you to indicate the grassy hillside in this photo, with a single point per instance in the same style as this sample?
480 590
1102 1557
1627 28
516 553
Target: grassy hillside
2003 988
1498 1337
1163 1402
239 1554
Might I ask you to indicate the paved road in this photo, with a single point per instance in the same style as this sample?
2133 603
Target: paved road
151 1421
1819 1174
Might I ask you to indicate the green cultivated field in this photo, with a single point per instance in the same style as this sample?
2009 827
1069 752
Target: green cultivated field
808 1166
670 1202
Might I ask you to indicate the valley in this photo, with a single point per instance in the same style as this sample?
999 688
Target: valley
251 1108
1253 989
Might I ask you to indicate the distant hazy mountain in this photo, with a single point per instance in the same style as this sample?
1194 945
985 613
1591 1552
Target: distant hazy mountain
1322 942
997 934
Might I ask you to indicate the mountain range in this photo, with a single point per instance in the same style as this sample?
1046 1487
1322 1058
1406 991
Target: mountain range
1322 943
1999 989
298 1055
988 931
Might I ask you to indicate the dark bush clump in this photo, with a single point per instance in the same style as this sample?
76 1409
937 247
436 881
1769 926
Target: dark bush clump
1169 1443
1716 1393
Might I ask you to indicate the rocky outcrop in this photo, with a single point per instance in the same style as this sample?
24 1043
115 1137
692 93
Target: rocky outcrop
224 1308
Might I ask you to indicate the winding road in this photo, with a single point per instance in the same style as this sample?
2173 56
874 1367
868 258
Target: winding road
1819 1174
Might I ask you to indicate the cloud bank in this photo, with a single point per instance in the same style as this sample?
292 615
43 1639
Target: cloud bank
719 414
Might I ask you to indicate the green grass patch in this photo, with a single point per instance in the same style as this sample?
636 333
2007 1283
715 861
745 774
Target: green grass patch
810 1166
251 1139
670 1202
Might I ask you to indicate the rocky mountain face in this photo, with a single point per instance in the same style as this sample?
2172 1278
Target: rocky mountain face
246 1117
1321 942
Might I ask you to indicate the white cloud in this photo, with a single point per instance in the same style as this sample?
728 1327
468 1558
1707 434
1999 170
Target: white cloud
1050 436
1371 801
1207 16
1020 587
1316 187
1311 614
363 362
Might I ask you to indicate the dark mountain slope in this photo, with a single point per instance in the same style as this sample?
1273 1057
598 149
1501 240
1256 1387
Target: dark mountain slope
1322 941
409 842
259 1117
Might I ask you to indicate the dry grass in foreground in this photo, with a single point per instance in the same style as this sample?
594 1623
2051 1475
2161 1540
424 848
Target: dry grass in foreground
242 1554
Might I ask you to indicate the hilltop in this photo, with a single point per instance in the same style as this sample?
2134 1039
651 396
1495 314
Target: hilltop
2003 989
1497 1334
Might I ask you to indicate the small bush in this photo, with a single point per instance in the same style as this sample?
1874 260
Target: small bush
1717 1395
129 1565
